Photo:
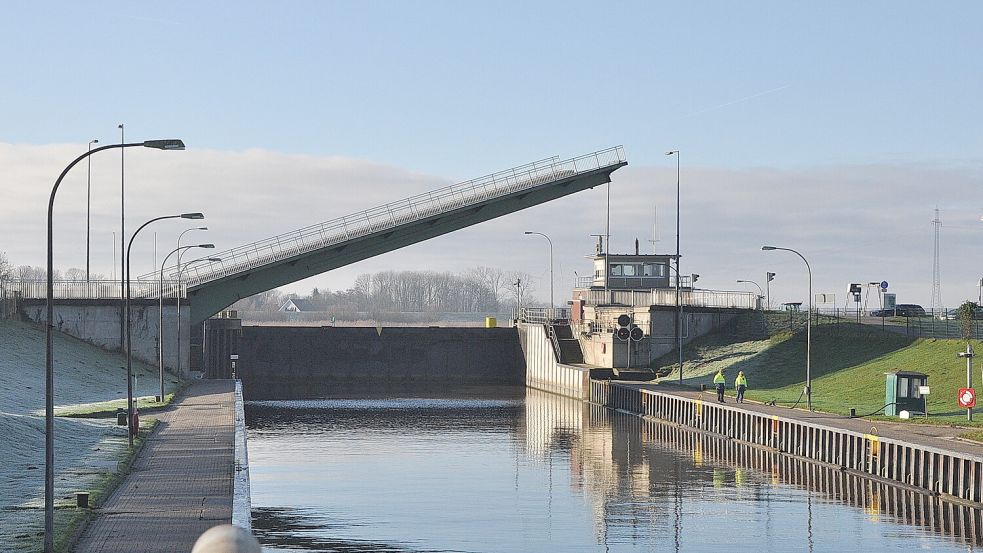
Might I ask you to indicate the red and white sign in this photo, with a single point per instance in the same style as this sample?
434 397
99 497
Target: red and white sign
967 398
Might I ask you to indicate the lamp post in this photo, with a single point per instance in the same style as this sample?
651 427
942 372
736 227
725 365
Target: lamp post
179 280
808 389
679 318
760 292
552 305
126 316
49 385
679 334
88 211
160 310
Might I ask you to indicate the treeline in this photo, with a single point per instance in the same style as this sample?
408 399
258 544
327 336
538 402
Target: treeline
28 272
481 289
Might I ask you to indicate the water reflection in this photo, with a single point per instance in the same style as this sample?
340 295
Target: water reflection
550 473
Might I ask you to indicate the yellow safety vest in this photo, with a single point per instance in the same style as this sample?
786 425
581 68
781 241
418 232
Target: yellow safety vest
719 379
741 380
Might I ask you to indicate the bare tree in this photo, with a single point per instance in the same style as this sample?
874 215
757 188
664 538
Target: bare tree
5 268
521 287
27 272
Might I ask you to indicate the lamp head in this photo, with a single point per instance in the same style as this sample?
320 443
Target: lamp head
192 216
168 144
208 246
215 259
527 232
94 141
670 152
768 248
202 228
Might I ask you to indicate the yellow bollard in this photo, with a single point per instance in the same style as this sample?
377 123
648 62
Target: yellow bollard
490 322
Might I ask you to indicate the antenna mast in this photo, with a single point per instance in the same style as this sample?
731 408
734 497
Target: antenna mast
936 270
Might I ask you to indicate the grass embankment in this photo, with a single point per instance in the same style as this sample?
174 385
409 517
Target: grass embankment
103 409
91 452
70 520
848 366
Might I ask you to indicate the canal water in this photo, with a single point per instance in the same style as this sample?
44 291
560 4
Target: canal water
530 471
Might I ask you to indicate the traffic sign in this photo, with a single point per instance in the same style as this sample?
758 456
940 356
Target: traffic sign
883 285
967 398
623 334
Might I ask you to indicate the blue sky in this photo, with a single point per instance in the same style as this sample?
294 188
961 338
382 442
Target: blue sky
453 90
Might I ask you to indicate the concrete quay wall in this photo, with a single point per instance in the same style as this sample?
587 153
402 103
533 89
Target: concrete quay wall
953 474
543 372
312 362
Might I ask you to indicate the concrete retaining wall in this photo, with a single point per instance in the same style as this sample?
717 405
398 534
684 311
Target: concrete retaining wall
543 372
312 362
99 324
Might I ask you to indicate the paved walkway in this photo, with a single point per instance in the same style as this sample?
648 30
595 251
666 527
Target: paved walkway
930 435
181 484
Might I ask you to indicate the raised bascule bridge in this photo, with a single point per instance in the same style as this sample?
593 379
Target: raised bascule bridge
92 310
253 268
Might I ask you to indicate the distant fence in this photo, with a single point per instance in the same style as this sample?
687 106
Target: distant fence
914 327
89 290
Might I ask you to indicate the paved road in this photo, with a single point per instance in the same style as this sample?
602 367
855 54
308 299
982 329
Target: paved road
181 484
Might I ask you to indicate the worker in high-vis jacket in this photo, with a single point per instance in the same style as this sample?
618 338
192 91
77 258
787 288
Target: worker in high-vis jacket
741 384
719 381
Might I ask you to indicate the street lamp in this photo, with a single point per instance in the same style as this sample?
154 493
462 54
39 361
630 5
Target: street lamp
552 305
760 292
808 389
160 310
679 318
49 385
88 210
179 275
126 314
679 325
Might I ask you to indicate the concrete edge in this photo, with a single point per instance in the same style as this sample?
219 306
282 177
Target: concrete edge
241 500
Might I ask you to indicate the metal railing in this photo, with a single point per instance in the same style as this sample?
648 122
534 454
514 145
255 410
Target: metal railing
544 315
388 216
630 282
667 296
93 289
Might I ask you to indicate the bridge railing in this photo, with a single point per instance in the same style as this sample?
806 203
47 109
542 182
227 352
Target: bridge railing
391 215
92 289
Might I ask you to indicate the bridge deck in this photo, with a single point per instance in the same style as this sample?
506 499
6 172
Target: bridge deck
263 265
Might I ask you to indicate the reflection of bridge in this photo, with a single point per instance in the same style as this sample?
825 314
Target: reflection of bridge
263 265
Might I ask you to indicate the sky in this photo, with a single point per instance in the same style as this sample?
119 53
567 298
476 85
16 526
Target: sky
832 128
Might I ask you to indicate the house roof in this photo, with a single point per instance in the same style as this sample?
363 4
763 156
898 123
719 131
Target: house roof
301 305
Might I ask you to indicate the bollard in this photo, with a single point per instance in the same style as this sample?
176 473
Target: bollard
120 417
82 499
226 539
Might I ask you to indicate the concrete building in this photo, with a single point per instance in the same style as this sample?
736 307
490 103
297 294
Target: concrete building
640 290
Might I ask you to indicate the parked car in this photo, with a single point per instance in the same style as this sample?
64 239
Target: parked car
900 310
